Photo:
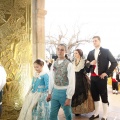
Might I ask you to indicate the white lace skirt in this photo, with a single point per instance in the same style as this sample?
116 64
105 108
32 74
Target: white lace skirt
35 107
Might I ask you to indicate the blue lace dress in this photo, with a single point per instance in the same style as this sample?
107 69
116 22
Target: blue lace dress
35 106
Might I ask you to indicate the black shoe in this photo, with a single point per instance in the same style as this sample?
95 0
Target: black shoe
103 119
77 114
93 117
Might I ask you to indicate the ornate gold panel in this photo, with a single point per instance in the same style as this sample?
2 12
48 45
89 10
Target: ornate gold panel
15 53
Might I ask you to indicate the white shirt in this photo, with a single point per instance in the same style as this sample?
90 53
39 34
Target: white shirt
114 75
3 76
97 50
71 77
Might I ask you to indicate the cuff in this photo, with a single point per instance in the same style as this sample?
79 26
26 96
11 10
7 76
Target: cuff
69 97
88 65
49 92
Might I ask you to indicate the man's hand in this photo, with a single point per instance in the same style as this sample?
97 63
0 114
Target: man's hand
103 75
67 102
93 62
48 98
87 61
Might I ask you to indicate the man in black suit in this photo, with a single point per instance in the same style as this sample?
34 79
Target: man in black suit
98 64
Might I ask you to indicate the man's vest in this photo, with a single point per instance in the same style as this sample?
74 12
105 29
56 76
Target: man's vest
61 73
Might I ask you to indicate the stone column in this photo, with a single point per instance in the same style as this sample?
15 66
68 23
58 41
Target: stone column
38 28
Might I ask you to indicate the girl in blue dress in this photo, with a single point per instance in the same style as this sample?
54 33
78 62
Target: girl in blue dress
35 106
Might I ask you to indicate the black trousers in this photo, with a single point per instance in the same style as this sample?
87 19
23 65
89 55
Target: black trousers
115 86
99 89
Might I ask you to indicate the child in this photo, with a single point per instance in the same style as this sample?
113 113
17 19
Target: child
114 82
35 106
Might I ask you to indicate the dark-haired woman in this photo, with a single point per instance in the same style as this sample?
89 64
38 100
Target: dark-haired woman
35 106
81 101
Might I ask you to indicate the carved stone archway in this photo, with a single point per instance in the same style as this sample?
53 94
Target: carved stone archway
22 40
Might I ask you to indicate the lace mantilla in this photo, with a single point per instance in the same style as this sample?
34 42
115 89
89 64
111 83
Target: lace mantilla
79 66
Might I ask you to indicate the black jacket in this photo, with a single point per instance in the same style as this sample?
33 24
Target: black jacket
104 57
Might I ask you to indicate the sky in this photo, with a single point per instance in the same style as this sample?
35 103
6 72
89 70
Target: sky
95 17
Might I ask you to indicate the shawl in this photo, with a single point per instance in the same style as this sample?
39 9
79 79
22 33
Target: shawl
79 66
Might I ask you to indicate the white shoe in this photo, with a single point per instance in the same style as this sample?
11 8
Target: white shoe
116 92
113 92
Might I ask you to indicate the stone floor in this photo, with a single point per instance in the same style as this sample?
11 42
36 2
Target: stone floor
113 112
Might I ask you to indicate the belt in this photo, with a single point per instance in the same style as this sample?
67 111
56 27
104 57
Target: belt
93 74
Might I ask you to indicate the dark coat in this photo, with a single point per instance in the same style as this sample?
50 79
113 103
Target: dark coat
104 57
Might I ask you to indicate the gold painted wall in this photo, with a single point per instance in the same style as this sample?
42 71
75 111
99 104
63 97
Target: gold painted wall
15 53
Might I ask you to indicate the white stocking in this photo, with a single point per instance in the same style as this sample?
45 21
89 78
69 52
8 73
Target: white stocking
105 110
96 108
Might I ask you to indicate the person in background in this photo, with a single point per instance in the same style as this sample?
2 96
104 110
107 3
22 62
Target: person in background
35 106
49 63
62 85
82 101
114 82
3 76
66 56
98 64
118 79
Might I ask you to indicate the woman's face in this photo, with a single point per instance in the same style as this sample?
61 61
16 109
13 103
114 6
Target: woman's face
76 55
37 67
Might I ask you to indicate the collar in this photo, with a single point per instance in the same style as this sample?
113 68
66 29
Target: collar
96 49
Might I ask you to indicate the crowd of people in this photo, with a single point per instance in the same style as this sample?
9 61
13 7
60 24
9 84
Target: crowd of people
65 84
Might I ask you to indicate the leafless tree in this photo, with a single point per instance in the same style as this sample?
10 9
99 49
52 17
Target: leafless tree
71 40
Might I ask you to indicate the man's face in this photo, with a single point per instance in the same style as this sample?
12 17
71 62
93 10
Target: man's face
96 42
61 51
